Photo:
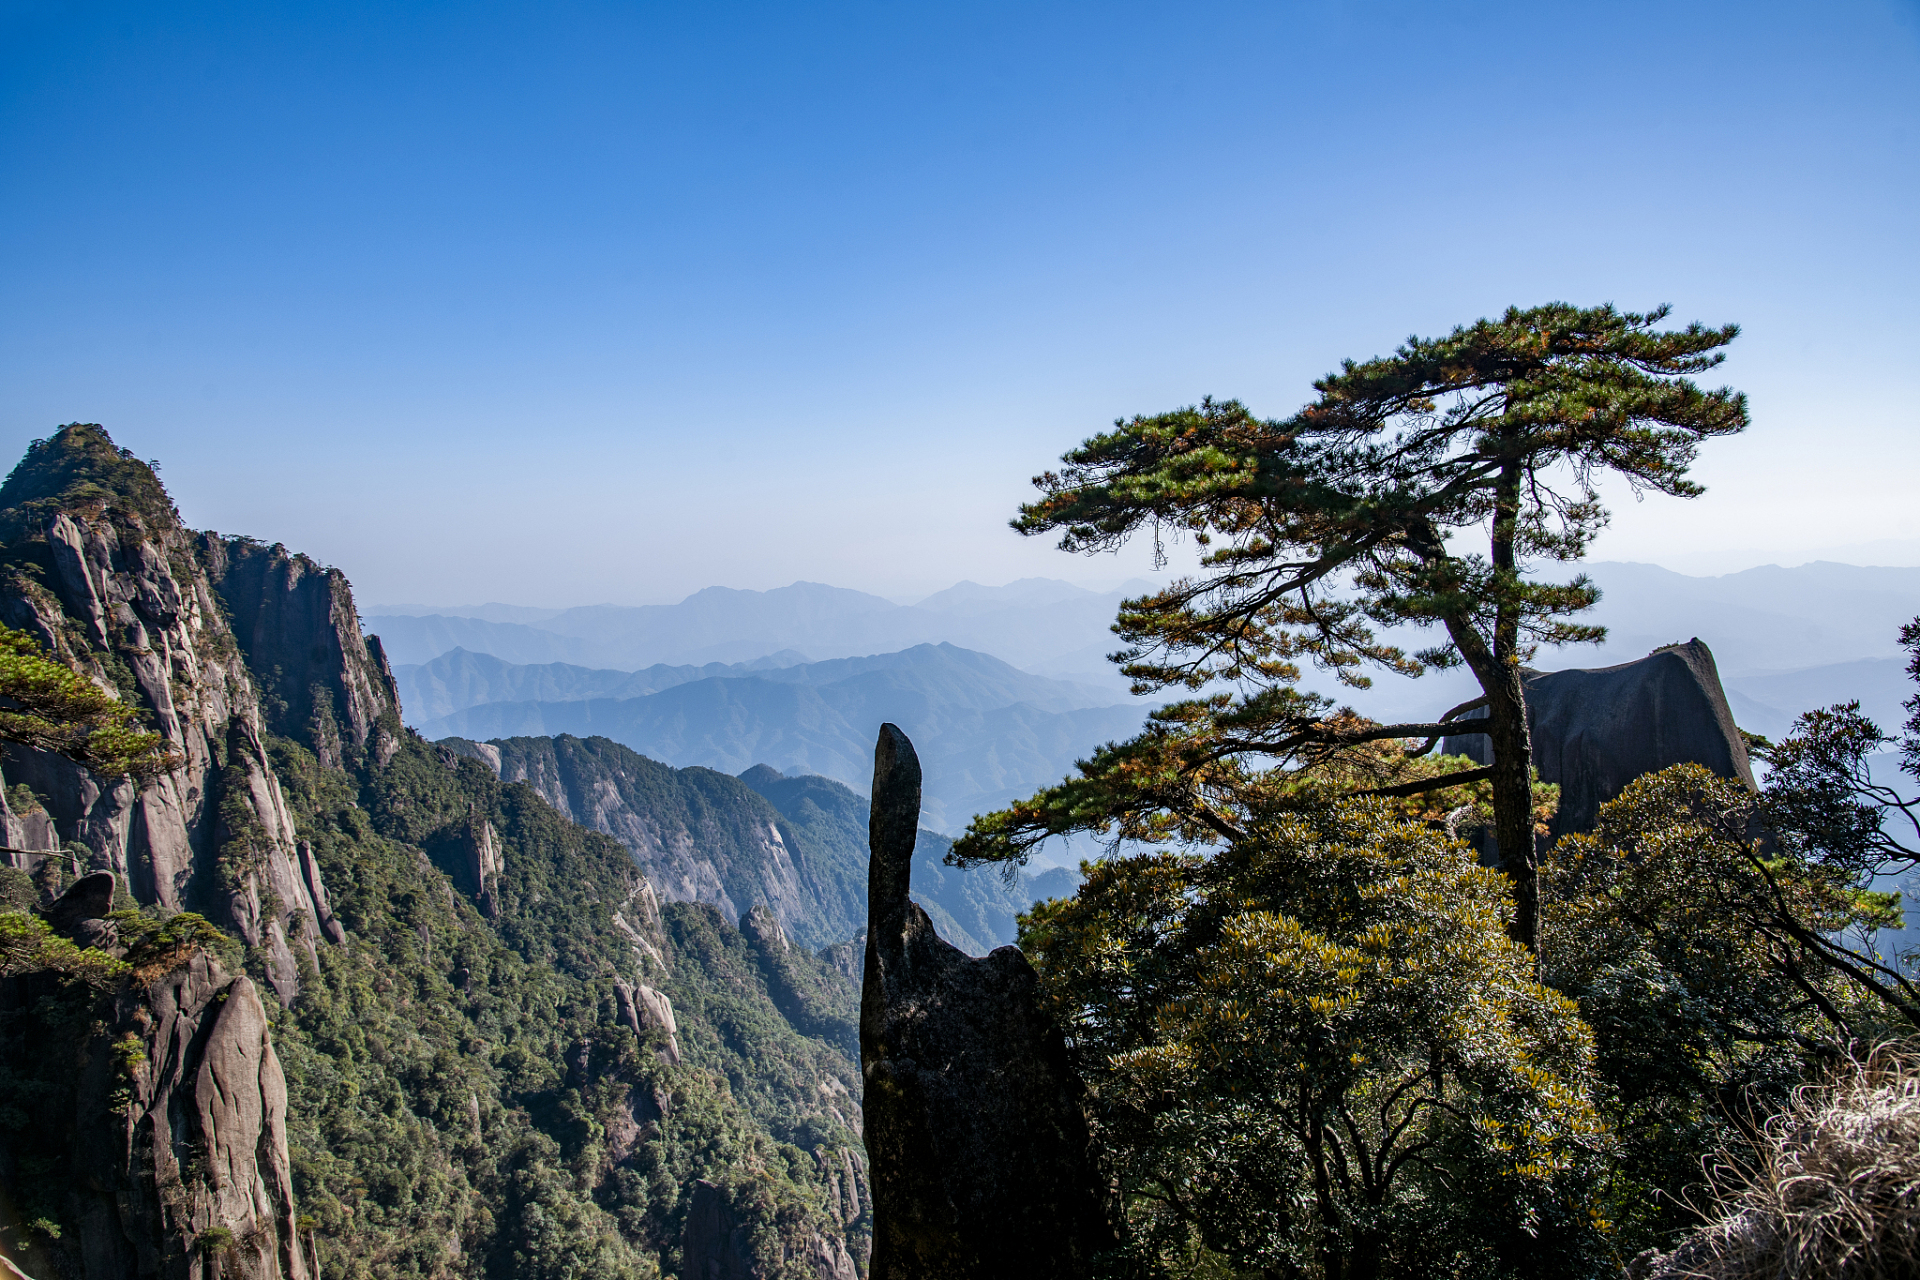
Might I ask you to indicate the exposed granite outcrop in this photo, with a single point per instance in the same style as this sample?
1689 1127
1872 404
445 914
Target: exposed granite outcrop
644 1009
179 1151
87 899
477 864
844 1174
324 683
317 890
981 1162
762 929
848 957
713 1244
97 566
638 920
27 835
205 1137
1594 731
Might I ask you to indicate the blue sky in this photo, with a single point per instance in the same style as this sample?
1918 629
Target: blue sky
574 302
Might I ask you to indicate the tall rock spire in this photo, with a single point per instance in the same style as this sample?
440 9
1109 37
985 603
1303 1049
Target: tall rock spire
981 1163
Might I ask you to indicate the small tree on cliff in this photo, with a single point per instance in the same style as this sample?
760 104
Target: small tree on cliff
46 704
1347 517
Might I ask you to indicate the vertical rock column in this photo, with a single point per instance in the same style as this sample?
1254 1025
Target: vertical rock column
979 1156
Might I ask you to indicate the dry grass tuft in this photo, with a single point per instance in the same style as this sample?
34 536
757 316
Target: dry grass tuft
1835 1193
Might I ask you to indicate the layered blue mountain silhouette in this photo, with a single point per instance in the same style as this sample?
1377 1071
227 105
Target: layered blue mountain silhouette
1003 688
990 733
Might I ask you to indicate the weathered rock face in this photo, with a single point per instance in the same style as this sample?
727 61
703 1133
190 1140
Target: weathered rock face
644 1009
713 1246
177 1148
28 835
476 865
97 566
848 957
1595 731
179 1151
296 623
981 1163
89 898
700 836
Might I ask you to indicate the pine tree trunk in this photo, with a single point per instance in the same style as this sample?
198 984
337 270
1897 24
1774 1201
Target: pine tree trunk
1507 706
1513 802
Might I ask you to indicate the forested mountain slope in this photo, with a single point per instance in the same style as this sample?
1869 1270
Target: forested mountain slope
698 835
796 846
487 1047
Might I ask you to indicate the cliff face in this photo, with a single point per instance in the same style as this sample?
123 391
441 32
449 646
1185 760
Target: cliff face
700 836
322 683
98 567
983 1165
503 1054
200 1150
165 1147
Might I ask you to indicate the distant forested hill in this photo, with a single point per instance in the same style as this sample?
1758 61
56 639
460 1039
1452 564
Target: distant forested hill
796 846
987 732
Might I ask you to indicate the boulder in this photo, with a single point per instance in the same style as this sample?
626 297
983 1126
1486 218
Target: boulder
1595 731
88 898
980 1159
643 1009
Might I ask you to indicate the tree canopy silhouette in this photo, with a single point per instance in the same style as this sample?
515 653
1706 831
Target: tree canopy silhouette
1419 489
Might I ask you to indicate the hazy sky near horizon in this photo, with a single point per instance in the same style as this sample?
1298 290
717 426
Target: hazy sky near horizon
582 302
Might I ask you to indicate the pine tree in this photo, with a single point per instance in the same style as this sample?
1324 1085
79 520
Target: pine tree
1416 489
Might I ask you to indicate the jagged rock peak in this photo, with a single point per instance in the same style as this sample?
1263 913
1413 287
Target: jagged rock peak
762 927
982 1164
325 683
95 563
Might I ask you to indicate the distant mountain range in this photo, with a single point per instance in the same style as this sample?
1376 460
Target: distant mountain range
1040 625
987 732
1758 621
1004 687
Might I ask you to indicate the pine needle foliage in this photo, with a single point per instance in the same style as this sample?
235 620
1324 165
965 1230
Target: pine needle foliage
47 705
1354 514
